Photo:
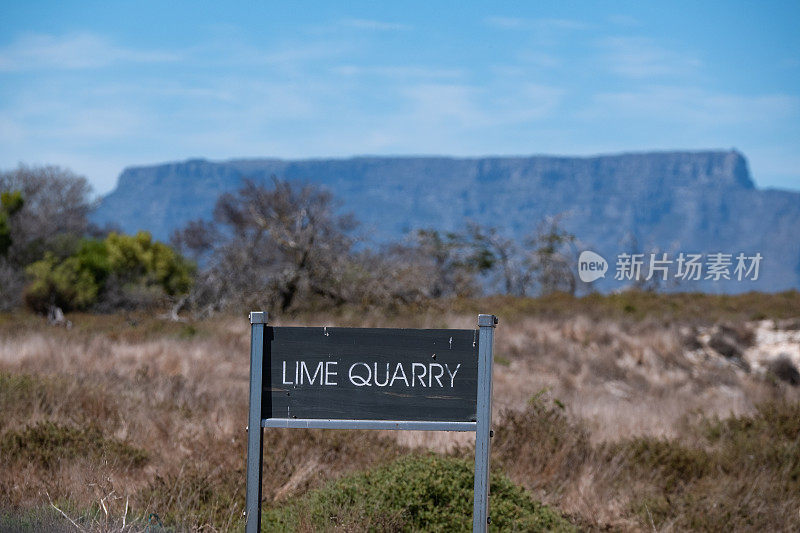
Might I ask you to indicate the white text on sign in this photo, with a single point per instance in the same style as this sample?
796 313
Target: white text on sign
325 373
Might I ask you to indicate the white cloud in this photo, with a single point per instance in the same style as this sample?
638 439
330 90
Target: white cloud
540 59
398 71
160 88
74 51
535 101
695 106
11 130
41 115
366 24
640 57
434 102
294 54
473 108
515 23
327 95
624 20
297 57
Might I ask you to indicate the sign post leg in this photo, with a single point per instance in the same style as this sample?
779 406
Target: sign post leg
255 434
480 511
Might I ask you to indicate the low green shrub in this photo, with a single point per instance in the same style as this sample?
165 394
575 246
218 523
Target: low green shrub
196 497
541 446
769 440
740 474
133 265
414 493
34 520
23 395
670 464
48 444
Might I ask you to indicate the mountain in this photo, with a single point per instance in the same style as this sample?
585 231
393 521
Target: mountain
668 201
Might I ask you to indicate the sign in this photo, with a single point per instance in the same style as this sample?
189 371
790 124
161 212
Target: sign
368 378
370 374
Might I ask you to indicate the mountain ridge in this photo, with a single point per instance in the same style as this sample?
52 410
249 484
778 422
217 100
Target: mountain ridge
672 200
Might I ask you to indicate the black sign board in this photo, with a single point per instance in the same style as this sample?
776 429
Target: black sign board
348 378
372 374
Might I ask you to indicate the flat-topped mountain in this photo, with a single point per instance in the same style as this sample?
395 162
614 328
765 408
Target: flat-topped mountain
673 201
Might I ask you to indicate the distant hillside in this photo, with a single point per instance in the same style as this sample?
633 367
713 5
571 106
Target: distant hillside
675 201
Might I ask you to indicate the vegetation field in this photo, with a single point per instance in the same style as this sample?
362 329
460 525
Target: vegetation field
611 413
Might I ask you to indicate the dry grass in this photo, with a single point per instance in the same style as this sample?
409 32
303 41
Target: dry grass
623 378
181 400
134 411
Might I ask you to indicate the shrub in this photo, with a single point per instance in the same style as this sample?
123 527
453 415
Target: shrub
24 396
139 267
138 259
48 444
768 440
741 474
540 446
669 463
10 203
33 521
197 497
414 493
65 284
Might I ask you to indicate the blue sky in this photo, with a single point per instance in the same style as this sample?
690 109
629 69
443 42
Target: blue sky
98 86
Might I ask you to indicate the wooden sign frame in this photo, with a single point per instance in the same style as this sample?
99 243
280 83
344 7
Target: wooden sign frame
263 406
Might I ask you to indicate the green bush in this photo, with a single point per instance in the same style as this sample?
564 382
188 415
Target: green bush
196 498
66 284
136 264
35 520
414 493
769 440
10 203
541 446
48 444
23 396
670 463
139 259
739 474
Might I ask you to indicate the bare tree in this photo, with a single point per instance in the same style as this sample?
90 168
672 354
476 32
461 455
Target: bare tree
448 261
54 213
549 260
394 274
50 215
277 241
504 254
196 240
454 262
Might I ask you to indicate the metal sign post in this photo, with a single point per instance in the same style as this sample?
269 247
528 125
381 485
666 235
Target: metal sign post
363 378
483 433
255 435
